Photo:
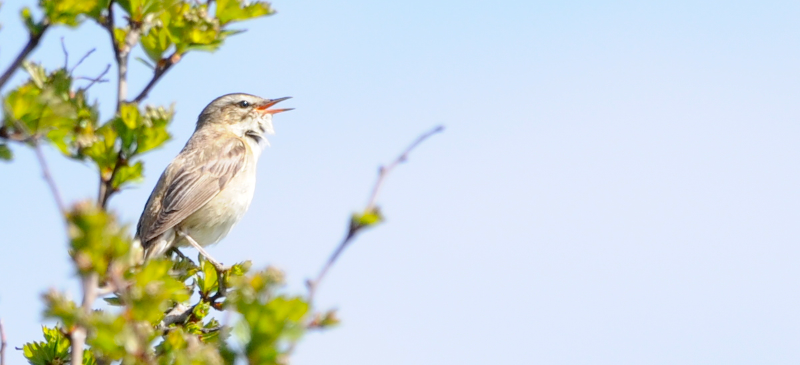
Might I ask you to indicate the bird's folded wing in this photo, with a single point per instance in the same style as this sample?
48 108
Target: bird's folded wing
191 181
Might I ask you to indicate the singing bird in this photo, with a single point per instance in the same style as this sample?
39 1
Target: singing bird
208 187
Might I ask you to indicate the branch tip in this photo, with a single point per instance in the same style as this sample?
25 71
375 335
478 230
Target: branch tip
352 230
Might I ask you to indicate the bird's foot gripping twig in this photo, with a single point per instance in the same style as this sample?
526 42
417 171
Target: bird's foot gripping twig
217 265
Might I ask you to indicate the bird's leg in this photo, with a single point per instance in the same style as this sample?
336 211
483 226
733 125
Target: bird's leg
203 252
179 253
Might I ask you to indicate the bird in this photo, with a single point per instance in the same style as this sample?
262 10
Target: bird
209 185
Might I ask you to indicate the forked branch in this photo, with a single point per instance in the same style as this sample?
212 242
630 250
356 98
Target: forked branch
371 208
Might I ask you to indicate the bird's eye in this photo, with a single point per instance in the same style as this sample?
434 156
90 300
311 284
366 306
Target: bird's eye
244 104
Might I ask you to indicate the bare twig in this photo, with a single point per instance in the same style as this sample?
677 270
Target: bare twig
82 59
98 79
66 54
383 171
33 41
161 68
354 229
2 344
47 177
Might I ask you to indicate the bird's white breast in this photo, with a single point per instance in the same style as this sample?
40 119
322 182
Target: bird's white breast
212 222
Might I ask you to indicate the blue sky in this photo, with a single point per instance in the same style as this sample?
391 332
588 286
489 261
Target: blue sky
617 183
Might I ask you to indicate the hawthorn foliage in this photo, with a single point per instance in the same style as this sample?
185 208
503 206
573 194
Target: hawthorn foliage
159 312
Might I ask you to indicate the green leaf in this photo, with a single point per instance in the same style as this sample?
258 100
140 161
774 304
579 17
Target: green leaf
120 34
183 268
238 10
144 62
59 306
46 107
34 27
103 150
153 132
241 268
54 350
269 322
154 290
96 239
325 320
5 152
155 43
115 301
365 219
207 282
127 174
72 12
138 9
88 358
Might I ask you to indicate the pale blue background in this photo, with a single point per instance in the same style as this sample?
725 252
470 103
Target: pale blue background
618 183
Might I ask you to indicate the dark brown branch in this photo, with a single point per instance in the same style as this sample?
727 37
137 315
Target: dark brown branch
109 25
371 208
48 178
33 41
161 68
2 344
107 185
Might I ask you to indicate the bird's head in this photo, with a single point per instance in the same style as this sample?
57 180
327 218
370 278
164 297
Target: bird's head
247 116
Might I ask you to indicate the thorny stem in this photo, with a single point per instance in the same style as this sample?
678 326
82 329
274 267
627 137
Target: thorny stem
354 229
33 41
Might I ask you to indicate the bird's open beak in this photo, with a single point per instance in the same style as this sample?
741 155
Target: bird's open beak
264 108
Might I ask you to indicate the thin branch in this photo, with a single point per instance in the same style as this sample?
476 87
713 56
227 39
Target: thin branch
66 54
48 178
121 52
81 60
33 41
161 68
78 335
106 185
354 228
383 171
98 79
2 344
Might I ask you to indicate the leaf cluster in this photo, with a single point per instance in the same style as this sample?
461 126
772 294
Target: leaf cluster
162 311
153 318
